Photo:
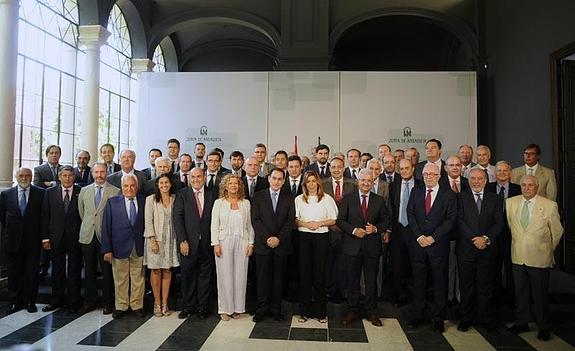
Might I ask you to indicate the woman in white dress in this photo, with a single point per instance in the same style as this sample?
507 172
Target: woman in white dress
161 252
315 212
233 242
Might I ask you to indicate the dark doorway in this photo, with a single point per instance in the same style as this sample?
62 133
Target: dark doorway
563 123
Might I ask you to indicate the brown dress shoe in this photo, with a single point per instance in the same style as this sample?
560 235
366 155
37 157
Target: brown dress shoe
374 320
349 318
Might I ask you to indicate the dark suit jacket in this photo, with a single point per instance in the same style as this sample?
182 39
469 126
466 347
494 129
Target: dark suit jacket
348 186
43 173
261 184
118 234
266 223
287 186
116 180
187 222
117 168
395 198
58 225
463 185
148 172
217 179
242 173
315 167
21 233
347 174
471 223
396 178
419 170
194 165
84 180
514 189
150 185
440 220
350 217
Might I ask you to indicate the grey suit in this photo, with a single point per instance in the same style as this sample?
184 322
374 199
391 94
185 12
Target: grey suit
43 173
90 240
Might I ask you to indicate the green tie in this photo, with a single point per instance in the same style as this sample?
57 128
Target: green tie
525 215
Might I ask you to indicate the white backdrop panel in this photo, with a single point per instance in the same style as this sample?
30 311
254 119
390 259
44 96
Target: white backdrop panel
305 104
377 107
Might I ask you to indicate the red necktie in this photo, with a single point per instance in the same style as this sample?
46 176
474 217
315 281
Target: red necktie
337 191
428 201
454 187
198 203
364 206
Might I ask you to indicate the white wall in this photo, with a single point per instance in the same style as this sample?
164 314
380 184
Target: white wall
344 109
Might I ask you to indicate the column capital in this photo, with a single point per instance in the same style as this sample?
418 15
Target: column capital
140 65
92 36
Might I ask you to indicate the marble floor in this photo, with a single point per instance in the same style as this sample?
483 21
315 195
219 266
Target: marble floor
60 330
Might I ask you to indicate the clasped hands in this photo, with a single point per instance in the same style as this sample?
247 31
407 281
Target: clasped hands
369 229
479 242
425 240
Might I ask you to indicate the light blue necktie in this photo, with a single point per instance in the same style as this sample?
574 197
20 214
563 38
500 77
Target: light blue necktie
274 200
98 196
133 213
22 202
403 208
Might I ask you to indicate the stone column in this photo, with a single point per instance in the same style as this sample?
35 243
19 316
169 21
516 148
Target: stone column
8 63
91 37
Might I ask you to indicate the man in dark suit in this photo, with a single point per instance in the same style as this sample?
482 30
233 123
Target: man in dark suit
273 215
252 182
150 172
503 276
457 183
431 212
163 166
364 219
237 163
214 172
192 216
480 219
186 165
401 233
199 153
46 175
294 176
321 166
60 232
353 164
107 154
123 246
82 174
389 174
337 187
433 154
127 160
260 154
20 214
174 154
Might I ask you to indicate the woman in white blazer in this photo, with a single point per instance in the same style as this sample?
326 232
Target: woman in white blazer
161 251
233 242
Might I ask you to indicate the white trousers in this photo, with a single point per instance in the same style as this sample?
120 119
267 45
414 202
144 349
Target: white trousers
232 274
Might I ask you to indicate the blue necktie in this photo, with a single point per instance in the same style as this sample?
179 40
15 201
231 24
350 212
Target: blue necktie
478 202
403 209
22 202
274 200
98 196
133 213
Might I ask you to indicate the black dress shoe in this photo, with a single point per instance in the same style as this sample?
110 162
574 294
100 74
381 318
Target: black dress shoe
31 308
490 328
50 308
108 310
543 335
14 308
438 327
118 314
463 326
203 313
415 323
278 316
518 328
140 313
86 308
185 313
257 318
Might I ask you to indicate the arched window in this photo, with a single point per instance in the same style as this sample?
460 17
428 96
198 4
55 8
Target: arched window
160 65
48 80
116 84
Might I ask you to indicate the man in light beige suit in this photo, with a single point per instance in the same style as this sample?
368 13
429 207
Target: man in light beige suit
545 176
91 204
535 233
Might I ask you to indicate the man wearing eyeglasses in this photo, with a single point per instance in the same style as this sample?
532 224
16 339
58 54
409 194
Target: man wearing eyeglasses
432 212
545 176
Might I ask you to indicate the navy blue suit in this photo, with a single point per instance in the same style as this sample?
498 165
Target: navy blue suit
118 234
437 223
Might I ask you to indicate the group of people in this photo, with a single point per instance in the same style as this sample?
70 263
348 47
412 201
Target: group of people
480 231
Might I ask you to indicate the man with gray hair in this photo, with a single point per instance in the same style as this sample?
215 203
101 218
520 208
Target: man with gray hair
91 203
123 246
20 217
412 154
127 161
163 165
483 156
466 155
